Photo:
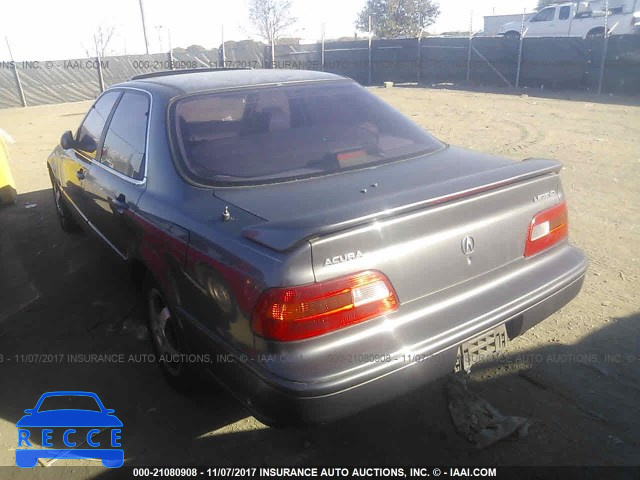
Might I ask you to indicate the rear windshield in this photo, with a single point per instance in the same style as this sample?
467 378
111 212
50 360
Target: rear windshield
280 133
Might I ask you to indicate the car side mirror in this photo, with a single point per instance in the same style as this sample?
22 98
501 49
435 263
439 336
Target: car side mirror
87 144
29 411
67 141
109 411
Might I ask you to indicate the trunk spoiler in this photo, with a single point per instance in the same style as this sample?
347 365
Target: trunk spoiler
284 235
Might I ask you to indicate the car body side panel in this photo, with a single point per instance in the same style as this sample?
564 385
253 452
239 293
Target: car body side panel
101 189
71 166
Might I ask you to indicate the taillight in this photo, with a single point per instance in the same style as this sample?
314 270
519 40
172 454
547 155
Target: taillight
547 228
295 313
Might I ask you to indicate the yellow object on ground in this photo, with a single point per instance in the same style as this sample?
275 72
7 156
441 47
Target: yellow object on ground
7 184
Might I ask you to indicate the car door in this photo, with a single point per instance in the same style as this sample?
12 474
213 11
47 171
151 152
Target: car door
542 24
118 177
76 162
563 22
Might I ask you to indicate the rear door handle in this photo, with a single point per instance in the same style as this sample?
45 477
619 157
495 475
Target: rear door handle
119 204
80 174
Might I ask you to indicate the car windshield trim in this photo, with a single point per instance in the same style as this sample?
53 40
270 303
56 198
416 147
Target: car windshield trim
426 145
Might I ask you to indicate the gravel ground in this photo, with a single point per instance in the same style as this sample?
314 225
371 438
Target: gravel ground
575 376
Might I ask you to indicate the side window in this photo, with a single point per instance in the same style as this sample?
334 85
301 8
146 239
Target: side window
545 15
124 144
565 12
88 136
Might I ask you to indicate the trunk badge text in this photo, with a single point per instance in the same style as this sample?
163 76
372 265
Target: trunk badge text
542 196
346 257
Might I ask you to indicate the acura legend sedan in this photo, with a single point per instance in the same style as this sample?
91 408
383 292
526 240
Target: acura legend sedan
314 250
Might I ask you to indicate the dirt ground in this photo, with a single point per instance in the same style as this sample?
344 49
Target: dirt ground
575 376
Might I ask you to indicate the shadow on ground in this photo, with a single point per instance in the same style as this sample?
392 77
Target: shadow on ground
580 398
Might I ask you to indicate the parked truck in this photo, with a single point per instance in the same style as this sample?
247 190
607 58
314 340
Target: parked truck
585 19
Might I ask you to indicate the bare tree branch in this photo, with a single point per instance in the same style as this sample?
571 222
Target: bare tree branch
271 18
101 40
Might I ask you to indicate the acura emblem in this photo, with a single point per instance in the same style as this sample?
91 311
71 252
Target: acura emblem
468 245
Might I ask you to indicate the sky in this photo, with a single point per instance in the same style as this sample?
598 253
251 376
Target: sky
63 29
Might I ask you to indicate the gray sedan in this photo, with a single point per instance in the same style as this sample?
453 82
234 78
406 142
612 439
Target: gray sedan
304 244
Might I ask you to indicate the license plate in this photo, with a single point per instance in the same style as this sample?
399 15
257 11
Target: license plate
483 347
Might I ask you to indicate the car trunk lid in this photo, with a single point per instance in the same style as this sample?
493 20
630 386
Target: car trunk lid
426 223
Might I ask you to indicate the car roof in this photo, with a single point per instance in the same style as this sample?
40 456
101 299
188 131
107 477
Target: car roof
211 79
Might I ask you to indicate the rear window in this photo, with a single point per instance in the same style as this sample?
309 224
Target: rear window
273 134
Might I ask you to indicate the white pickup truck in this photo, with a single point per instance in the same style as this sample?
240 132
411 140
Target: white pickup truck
585 19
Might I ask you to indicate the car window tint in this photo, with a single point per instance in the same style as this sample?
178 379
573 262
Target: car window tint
66 402
564 12
88 135
545 15
268 134
124 144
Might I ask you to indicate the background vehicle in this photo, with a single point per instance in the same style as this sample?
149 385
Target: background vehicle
325 251
578 19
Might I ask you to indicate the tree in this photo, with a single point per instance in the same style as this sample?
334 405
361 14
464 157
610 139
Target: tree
101 40
271 18
397 18
544 3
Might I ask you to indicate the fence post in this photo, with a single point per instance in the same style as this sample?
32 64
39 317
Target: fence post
224 53
470 47
273 52
520 50
605 46
369 50
420 57
16 74
322 49
170 49
100 77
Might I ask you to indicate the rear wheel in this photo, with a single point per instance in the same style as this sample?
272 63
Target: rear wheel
167 339
67 222
596 33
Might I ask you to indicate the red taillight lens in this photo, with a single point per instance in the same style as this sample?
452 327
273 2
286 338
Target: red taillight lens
547 228
295 313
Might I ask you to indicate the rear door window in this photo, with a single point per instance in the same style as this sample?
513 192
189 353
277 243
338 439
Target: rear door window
124 143
565 12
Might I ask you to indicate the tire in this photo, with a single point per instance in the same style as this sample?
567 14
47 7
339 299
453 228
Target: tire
512 35
168 341
65 217
596 33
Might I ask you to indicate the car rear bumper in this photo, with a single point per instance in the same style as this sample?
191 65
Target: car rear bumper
534 293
